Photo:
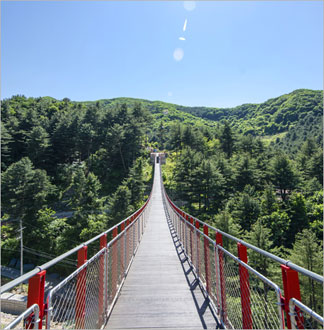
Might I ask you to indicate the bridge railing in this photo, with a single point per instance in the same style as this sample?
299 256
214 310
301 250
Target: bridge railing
243 298
85 298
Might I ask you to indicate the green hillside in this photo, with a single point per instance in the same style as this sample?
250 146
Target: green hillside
286 121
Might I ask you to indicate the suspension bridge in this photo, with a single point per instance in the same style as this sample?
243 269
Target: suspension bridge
163 268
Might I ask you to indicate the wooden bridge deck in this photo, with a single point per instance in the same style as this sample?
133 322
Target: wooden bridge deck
160 291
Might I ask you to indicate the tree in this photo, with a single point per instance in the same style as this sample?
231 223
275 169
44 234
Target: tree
25 190
119 204
259 236
6 139
246 209
86 139
227 140
278 222
269 202
283 175
48 231
245 173
297 212
86 203
175 138
225 222
37 144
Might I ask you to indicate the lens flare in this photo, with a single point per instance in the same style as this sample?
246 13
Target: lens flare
185 25
189 5
178 54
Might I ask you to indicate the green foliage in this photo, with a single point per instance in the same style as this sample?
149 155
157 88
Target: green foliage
24 190
284 177
69 157
227 140
308 252
256 170
297 114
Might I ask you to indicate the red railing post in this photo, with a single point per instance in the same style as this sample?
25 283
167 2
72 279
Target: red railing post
114 263
291 290
219 241
245 288
197 225
103 244
206 253
81 290
127 243
122 243
36 288
191 238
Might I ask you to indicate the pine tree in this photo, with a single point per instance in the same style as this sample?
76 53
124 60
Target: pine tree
227 140
283 176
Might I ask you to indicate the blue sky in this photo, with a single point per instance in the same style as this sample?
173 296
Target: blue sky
235 52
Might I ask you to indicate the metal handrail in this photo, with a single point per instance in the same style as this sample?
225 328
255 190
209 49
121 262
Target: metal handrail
33 308
51 263
294 302
299 269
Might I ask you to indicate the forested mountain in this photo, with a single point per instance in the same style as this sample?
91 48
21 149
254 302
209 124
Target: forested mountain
253 191
292 118
63 157
286 121
229 167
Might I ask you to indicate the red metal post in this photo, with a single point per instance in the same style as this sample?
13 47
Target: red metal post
114 266
36 288
197 225
245 288
81 290
219 241
122 243
127 242
191 238
291 290
103 244
206 254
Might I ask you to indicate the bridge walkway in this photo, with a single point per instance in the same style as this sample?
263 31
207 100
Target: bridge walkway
160 291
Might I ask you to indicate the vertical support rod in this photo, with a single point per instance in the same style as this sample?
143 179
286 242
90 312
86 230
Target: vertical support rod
245 288
21 252
291 290
114 264
122 247
81 290
102 292
191 239
198 248
127 244
219 241
206 255
36 289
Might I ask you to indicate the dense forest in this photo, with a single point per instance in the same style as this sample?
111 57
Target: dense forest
66 158
72 169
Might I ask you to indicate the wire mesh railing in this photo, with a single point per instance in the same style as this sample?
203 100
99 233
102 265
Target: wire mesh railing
302 317
29 319
242 297
85 298
77 296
